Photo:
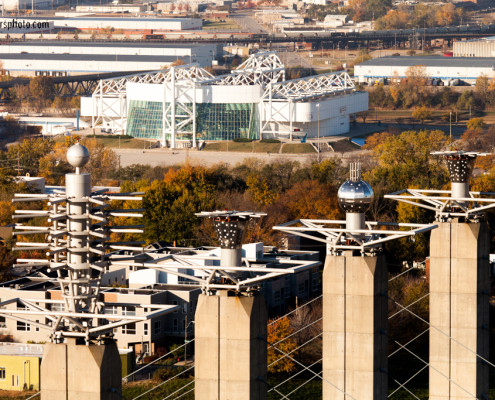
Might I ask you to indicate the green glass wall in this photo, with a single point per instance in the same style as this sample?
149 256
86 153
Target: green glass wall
226 121
213 121
145 119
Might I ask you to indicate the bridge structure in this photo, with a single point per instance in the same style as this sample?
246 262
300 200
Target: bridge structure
64 86
313 35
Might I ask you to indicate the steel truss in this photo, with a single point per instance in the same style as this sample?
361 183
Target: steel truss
339 239
264 69
246 277
448 204
286 93
444 205
83 315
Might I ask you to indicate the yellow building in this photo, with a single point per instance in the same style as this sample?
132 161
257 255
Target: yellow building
20 366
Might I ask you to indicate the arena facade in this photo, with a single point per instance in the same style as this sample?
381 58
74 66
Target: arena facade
188 104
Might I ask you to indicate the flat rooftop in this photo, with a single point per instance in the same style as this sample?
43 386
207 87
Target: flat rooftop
88 57
432 61
129 19
53 43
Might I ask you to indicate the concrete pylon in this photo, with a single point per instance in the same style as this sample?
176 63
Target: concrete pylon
354 327
230 349
459 311
71 371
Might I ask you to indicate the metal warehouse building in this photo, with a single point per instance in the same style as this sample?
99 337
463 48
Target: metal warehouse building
187 103
445 68
96 23
73 58
475 48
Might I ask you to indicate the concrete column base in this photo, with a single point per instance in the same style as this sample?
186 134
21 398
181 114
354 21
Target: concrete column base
71 371
355 313
230 348
459 308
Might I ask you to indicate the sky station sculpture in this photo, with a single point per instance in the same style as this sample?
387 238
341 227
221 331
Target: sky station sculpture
459 281
231 316
76 241
355 284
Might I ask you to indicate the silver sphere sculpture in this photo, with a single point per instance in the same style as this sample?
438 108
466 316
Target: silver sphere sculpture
78 155
355 196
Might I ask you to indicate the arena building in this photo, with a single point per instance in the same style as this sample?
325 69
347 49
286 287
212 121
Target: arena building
185 104
451 70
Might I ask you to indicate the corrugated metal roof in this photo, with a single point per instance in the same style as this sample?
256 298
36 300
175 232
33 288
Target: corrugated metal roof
432 61
89 57
57 43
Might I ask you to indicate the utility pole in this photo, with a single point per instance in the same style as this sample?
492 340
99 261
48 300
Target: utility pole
185 341
450 134
318 129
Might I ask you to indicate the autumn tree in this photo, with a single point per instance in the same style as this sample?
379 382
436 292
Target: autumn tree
476 124
42 90
422 113
28 153
405 161
279 331
102 161
446 15
170 205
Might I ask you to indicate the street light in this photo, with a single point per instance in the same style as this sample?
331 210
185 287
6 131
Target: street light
318 129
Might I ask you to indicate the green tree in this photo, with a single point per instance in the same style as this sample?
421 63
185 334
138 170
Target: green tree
170 205
378 8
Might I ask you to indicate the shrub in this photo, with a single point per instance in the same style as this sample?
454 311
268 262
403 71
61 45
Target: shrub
242 140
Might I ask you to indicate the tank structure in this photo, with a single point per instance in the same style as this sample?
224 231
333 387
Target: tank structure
231 316
82 360
355 281
459 281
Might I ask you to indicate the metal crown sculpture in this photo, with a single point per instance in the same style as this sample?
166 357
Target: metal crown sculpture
78 248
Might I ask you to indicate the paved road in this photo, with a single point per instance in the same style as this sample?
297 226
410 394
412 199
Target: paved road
248 23
166 157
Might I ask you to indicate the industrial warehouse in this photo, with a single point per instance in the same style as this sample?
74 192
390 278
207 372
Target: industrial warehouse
71 58
186 104
451 70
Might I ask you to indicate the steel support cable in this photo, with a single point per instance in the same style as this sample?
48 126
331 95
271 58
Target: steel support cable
295 309
409 305
158 359
293 350
178 390
281 394
293 376
312 372
296 332
273 388
402 385
183 394
402 273
436 370
160 384
408 343
445 334
407 390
